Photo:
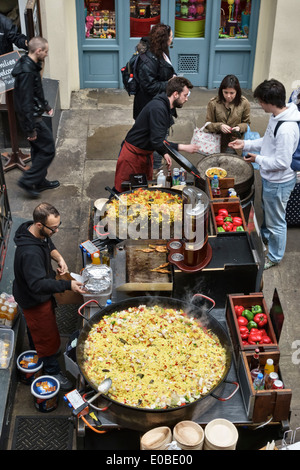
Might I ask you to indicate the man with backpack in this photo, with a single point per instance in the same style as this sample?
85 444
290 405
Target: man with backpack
274 154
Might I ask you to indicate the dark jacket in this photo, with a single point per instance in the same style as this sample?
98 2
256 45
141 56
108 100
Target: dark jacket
34 281
10 35
152 124
153 74
29 100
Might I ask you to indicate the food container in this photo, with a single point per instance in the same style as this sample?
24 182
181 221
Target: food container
145 419
247 301
29 366
188 435
220 172
220 434
234 209
6 347
224 185
156 439
261 404
98 282
45 393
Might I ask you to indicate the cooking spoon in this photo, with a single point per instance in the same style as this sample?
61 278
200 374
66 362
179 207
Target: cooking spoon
102 389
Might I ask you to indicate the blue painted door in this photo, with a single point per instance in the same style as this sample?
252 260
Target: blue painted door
189 55
200 51
99 52
233 42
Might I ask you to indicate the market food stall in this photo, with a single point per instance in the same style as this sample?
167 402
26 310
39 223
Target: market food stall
200 277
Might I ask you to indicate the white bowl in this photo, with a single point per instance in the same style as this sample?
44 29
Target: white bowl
216 168
220 434
188 435
156 439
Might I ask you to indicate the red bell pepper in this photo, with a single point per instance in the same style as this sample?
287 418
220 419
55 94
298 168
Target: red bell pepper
219 220
265 340
237 221
238 310
261 319
255 337
245 343
223 212
227 226
244 332
263 332
242 321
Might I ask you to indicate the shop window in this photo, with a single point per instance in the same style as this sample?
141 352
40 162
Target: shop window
235 19
100 19
143 15
190 18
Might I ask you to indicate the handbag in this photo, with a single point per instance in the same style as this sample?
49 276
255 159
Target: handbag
207 142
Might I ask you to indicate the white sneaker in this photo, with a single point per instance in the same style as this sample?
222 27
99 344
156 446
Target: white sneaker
269 264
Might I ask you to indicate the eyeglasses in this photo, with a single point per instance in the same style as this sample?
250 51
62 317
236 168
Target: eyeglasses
52 229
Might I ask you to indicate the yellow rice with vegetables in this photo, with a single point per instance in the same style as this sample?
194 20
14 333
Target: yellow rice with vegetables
156 357
145 204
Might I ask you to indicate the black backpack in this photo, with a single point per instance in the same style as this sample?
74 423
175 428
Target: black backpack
130 75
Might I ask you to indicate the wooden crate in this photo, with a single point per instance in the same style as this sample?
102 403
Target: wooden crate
234 209
224 184
262 404
247 301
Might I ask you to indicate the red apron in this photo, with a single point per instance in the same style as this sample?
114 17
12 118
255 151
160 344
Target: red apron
132 160
43 328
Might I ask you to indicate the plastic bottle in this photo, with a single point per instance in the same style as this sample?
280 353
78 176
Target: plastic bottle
96 258
269 367
258 383
175 176
182 176
215 186
161 179
169 180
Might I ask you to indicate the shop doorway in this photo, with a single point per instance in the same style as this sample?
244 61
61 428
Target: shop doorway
211 38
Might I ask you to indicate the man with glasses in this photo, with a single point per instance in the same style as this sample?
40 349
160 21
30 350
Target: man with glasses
34 285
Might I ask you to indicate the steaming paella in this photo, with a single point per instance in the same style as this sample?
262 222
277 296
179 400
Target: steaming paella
156 357
145 204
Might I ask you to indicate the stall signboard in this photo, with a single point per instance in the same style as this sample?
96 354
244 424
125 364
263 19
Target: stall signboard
7 63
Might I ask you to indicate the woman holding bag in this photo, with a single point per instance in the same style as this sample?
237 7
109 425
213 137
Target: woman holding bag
228 113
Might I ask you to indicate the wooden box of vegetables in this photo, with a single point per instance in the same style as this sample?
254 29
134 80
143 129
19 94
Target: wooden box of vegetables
261 404
228 217
250 324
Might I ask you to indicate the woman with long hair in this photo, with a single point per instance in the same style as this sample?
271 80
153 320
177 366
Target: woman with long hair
228 113
154 68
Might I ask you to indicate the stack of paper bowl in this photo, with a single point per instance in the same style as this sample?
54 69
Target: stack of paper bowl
220 434
188 435
156 439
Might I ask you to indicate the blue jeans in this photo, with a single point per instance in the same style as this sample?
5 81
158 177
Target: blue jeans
275 197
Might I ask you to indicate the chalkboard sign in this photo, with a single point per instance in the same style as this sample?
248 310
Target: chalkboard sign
7 63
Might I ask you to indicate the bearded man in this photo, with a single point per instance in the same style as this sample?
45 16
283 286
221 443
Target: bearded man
149 132
35 284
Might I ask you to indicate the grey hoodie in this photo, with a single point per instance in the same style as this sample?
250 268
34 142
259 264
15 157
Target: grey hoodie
276 152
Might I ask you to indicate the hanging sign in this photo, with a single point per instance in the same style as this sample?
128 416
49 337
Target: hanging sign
7 63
